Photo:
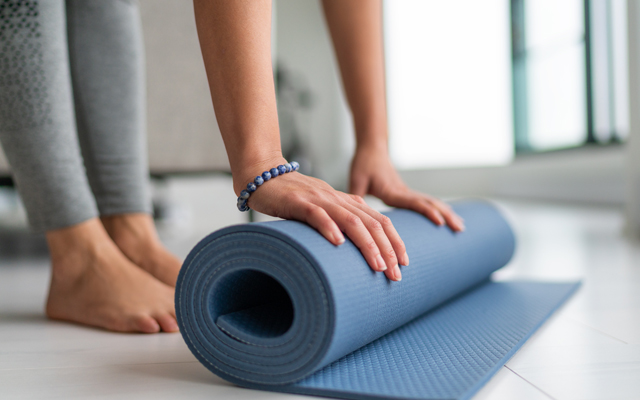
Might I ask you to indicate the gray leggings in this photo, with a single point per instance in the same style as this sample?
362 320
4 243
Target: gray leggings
72 110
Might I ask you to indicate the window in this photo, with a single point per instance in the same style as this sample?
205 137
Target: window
449 82
470 81
569 73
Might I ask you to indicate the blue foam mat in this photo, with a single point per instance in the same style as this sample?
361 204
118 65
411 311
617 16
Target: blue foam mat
275 306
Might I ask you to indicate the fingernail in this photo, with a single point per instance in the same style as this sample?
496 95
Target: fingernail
338 238
382 266
397 274
405 258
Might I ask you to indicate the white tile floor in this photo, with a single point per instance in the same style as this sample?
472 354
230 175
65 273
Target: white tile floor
588 350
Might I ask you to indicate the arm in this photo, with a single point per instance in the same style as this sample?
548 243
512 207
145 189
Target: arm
235 41
356 31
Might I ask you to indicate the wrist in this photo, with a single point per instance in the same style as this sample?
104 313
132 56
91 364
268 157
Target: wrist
372 139
373 146
248 171
371 132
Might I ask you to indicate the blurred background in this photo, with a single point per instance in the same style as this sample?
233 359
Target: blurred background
520 99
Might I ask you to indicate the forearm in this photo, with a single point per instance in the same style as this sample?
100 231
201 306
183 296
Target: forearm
235 37
356 31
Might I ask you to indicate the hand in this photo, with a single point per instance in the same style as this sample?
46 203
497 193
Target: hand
303 198
373 173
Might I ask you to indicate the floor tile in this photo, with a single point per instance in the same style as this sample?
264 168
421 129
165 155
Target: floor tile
506 385
582 372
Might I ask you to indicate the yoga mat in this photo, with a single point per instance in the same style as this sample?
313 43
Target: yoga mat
275 306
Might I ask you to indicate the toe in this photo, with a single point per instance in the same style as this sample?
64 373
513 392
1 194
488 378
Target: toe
146 324
167 323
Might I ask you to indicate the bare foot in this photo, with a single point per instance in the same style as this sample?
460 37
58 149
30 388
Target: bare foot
93 283
136 236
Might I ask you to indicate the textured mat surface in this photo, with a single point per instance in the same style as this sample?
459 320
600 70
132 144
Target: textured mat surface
275 306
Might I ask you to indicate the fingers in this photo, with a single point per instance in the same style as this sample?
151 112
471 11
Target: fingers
437 211
368 235
455 222
378 228
318 218
398 249
368 230
331 213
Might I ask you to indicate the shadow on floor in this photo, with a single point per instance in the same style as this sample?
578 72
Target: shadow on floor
18 243
7 317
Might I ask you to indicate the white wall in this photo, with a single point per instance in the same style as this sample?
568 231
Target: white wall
583 175
182 129
304 47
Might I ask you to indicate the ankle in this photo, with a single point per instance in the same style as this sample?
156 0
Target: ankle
73 248
133 233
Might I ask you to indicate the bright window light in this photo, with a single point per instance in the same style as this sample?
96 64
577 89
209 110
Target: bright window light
449 82
556 73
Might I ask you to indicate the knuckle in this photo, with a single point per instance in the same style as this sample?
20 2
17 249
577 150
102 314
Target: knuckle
385 221
358 199
432 210
371 245
297 198
391 253
313 211
342 198
353 220
374 225
425 209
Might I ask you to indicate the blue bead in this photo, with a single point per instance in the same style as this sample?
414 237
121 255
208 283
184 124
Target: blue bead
244 195
295 165
288 167
274 172
258 181
251 187
266 175
242 205
282 169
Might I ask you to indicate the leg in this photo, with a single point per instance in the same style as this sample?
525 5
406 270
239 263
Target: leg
107 67
92 282
37 125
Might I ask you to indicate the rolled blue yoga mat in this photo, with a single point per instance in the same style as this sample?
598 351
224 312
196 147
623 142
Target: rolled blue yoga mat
275 306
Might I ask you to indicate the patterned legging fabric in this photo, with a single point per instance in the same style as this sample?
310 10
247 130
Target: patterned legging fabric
72 108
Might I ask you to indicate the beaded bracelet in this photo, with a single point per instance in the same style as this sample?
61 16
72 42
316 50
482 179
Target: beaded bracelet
260 179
